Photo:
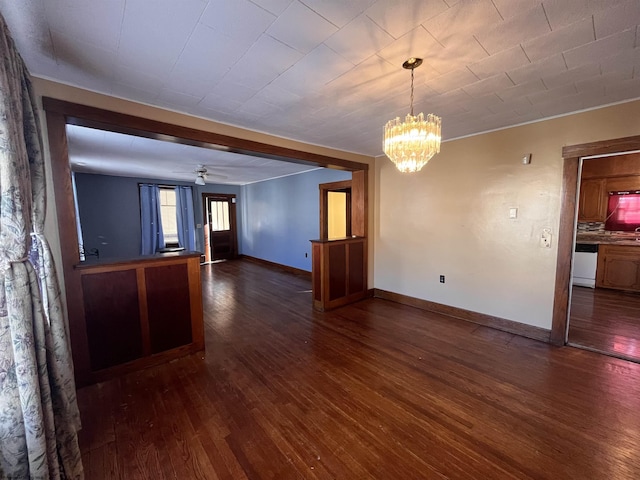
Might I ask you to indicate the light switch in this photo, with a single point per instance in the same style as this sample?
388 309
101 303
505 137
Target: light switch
513 213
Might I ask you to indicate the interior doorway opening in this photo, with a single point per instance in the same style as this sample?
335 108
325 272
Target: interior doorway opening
605 298
573 156
335 210
220 235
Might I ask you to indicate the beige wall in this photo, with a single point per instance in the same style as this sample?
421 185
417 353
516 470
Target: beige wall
452 218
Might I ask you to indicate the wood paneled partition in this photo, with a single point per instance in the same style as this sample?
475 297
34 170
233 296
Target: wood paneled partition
339 272
340 265
141 312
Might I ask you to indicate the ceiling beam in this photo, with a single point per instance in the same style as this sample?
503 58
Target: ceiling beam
92 117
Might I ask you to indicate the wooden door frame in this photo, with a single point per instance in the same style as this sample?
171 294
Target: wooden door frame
325 188
232 219
59 113
568 212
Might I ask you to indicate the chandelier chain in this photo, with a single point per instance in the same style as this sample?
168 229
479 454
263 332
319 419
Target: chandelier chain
411 110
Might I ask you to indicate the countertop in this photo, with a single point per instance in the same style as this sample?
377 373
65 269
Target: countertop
93 262
630 239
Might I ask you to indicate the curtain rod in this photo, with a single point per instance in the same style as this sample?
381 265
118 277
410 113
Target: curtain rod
160 185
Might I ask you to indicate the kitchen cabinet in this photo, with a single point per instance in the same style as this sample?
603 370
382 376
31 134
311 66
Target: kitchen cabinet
619 267
593 200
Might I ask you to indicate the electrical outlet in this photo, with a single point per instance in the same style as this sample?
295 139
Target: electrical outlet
441 278
545 238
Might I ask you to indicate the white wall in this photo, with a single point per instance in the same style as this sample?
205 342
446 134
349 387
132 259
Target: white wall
452 218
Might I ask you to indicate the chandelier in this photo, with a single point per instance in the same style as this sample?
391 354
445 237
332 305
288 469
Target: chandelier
412 143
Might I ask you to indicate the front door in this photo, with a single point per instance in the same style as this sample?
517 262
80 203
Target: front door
220 236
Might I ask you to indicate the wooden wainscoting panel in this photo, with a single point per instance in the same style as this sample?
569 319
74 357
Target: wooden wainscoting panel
337 271
194 271
144 311
112 317
316 256
357 273
169 306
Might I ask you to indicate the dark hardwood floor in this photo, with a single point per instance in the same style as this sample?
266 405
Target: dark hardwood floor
606 320
375 390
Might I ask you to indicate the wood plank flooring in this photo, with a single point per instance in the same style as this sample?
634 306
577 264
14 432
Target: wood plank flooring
606 320
375 390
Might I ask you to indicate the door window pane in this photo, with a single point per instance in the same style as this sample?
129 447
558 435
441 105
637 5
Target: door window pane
219 215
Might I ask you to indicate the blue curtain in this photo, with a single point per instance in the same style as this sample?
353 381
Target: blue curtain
151 224
184 212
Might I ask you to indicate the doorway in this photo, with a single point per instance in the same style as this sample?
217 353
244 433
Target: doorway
607 316
605 304
335 210
220 235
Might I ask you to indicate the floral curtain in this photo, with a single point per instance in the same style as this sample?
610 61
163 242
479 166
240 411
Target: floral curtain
39 417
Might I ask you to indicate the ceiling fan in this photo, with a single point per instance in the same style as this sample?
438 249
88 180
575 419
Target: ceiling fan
202 174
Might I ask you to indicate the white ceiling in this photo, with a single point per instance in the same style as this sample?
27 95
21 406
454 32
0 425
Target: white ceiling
110 153
328 72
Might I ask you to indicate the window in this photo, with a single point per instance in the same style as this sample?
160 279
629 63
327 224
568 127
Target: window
623 213
168 216
219 215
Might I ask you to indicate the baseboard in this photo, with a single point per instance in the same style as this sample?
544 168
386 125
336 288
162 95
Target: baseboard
498 323
267 263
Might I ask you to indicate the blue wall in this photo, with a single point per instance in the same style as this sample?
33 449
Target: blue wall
280 217
110 212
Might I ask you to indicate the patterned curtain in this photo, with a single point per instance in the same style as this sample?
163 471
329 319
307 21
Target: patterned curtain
185 218
39 417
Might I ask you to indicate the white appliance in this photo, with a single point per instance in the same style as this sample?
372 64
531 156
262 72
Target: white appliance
585 261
